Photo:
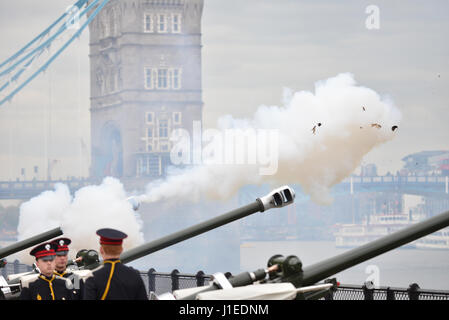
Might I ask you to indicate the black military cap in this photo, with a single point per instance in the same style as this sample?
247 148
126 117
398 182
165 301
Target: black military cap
44 251
111 236
62 246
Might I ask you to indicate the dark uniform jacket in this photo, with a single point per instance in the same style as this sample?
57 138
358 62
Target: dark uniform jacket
115 281
46 288
78 284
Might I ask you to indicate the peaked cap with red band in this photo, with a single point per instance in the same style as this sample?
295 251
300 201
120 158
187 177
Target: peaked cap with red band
44 251
62 245
111 236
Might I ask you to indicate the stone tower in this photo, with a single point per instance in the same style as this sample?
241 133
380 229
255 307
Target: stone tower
145 80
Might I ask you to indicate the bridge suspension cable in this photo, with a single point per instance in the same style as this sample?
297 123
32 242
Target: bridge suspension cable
15 66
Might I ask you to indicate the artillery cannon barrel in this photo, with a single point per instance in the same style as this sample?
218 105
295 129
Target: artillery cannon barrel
277 198
27 243
326 268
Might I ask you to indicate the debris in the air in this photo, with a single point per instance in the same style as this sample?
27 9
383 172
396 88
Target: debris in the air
394 128
363 108
376 125
314 127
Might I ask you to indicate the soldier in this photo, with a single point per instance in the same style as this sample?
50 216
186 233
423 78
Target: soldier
113 280
46 286
61 259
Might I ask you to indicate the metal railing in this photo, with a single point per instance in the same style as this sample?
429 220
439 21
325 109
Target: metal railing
13 268
364 292
162 282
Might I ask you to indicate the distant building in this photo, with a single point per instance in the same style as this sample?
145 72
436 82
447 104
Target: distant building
440 163
369 170
427 163
145 78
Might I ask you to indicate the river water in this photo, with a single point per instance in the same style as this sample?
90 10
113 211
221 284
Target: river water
397 268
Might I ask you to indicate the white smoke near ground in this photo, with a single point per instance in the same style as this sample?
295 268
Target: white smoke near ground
90 208
323 137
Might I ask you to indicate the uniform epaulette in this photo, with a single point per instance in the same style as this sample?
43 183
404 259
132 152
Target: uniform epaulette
68 282
27 279
84 274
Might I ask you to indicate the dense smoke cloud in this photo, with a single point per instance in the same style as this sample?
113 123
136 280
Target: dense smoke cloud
322 138
91 208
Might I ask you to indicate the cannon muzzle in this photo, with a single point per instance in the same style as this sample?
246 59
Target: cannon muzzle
27 243
277 198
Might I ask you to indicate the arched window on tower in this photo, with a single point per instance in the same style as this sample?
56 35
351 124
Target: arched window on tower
176 23
112 23
119 79
175 75
161 23
100 81
148 23
112 81
102 28
163 128
162 78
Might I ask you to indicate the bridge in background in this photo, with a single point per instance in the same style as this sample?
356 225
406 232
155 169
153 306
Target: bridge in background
23 190
417 185
430 186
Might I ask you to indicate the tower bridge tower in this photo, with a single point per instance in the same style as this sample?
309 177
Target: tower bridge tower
145 81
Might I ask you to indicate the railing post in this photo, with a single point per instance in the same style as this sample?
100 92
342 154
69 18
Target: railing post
152 280
368 290
174 280
199 278
413 291
16 265
390 294
329 295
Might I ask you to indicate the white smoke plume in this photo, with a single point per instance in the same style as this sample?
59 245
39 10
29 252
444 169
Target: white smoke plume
91 208
323 137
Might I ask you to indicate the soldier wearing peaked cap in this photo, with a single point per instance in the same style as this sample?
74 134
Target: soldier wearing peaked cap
46 285
61 259
113 280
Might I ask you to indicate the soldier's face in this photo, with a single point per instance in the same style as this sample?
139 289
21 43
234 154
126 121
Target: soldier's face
46 267
61 262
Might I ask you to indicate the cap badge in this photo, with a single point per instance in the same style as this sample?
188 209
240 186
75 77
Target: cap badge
47 247
61 242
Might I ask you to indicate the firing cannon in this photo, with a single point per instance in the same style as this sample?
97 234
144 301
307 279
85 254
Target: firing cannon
285 278
277 198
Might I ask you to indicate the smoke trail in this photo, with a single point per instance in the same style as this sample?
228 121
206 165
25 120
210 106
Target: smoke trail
91 208
322 138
